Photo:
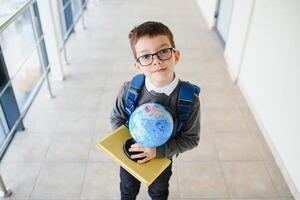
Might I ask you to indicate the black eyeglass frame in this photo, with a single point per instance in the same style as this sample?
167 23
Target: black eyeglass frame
171 48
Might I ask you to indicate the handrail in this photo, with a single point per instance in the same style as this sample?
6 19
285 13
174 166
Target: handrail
16 14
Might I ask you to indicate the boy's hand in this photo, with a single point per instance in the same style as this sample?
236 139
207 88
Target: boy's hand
148 153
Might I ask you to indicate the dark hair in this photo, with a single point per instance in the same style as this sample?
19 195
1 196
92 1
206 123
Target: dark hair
150 29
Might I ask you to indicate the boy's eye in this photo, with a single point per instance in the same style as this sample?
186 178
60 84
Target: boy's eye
146 57
164 51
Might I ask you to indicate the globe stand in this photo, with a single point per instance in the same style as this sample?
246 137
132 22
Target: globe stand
126 148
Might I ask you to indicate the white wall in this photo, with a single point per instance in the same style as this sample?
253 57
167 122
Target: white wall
263 51
270 74
240 21
208 8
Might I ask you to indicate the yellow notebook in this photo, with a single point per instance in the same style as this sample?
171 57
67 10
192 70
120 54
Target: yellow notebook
146 172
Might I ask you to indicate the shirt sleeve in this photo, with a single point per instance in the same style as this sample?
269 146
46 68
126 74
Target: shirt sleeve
118 115
187 139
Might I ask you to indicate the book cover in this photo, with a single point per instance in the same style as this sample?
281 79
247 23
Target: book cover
145 172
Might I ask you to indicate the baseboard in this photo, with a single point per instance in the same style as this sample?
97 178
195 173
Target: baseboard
230 71
297 195
271 145
208 22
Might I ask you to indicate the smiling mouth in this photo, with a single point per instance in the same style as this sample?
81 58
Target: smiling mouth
160 70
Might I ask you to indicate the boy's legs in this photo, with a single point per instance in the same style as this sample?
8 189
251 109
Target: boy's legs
129 185
159 189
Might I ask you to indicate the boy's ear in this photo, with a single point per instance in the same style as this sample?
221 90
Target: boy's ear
177 56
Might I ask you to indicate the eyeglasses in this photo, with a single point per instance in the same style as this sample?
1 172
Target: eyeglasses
164 54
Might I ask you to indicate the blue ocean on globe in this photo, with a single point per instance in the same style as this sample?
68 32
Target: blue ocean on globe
151 125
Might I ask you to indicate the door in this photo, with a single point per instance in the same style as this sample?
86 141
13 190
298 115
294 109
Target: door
223 18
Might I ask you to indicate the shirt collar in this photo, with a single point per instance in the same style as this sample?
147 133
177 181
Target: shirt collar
168 89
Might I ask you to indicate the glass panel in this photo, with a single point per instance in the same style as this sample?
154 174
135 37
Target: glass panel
19 61
8 7
3 127
7 99
76 6
2 133
68 15
40 34
17 41
26 79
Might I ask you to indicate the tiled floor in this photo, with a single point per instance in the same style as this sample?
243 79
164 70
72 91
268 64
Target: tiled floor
56 157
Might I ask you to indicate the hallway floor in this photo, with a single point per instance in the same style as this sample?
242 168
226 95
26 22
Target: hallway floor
56 157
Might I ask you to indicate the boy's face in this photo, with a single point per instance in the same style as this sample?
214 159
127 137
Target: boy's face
159 72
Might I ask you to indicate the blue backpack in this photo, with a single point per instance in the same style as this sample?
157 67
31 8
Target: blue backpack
184 100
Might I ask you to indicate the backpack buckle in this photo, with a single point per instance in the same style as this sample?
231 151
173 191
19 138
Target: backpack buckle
185 102
129 109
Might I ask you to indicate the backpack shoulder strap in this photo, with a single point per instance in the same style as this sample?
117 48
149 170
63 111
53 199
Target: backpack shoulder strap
133 93
185 102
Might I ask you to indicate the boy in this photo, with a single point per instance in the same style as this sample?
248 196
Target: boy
155 56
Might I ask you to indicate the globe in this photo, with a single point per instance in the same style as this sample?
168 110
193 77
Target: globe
151 125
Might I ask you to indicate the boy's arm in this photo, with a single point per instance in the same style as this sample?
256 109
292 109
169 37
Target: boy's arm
187 139
118 116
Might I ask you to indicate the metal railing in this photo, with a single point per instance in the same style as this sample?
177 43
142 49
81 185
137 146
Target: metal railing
28 5
5 192
45 72
71 28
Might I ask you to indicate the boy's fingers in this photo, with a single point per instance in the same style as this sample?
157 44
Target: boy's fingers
135 145
136 148
140 155
143 160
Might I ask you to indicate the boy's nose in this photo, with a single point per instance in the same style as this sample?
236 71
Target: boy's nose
156 60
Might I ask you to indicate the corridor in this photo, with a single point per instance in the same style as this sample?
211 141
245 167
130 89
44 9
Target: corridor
56 156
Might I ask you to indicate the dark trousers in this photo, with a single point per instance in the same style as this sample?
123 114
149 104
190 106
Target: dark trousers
158 190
